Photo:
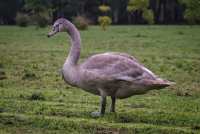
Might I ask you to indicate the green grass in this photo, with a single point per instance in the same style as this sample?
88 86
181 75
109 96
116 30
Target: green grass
35 99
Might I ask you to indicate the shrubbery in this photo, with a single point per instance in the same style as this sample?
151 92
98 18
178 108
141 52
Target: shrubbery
81 22
192 12
22 19
104 21
142 6
39 13
148 16
41 20
104 8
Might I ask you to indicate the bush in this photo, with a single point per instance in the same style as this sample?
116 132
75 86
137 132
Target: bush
104 21
191 16
22 19
81 22
148 16
104 8
192 12
142 6
41 20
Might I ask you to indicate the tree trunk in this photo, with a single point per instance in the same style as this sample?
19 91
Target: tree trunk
129 18
115 16
161 12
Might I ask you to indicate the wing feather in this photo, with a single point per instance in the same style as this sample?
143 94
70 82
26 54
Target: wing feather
116 66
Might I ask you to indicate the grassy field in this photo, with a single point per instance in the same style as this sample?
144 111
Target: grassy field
35 99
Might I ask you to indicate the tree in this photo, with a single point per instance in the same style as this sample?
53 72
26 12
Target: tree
140 7
192 12
115 5
72 8
136 11
39 10
8 10
104 20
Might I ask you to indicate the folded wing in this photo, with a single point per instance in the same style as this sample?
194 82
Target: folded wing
117 66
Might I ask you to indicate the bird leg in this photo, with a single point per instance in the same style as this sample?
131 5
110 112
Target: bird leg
112 106
101 112
103 105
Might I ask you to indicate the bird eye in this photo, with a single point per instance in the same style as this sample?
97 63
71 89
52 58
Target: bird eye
56 27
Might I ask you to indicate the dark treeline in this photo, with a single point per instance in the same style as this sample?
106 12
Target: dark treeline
164 11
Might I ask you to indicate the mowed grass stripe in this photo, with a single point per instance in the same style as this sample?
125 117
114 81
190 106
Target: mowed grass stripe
80 109
68 124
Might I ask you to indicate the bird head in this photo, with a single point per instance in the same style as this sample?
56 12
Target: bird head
58 26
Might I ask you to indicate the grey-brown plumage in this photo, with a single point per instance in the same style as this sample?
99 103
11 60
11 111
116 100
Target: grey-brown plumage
114 74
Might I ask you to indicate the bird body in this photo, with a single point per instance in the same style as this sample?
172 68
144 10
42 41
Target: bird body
117 74
114 74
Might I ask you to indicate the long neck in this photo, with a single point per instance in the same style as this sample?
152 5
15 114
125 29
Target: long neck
75 49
